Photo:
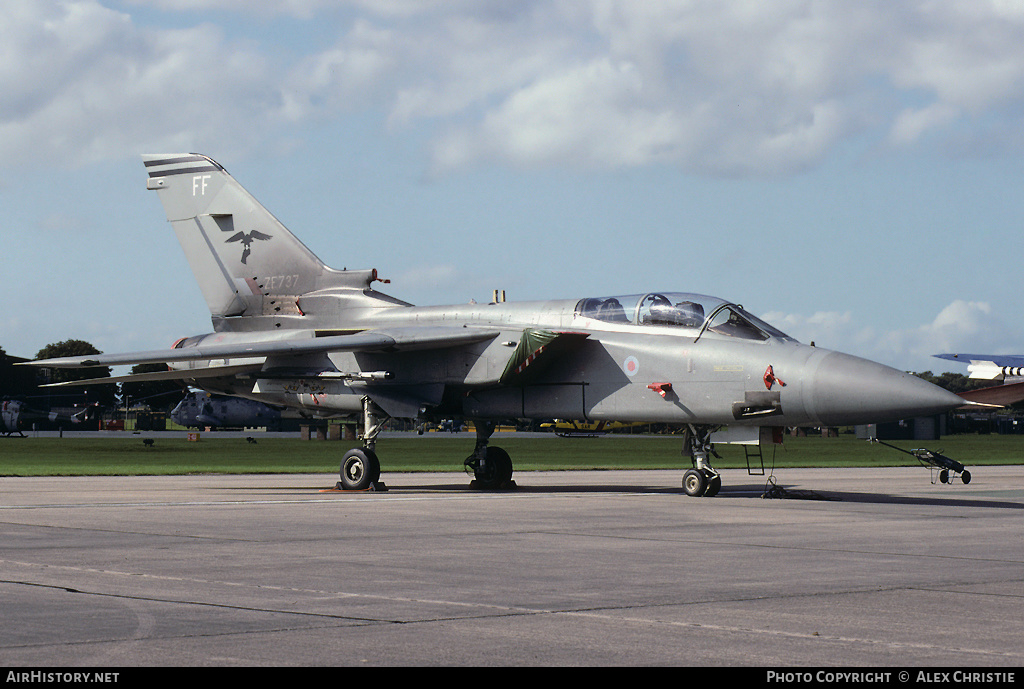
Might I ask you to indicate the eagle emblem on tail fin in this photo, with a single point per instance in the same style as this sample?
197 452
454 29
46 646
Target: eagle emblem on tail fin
247 238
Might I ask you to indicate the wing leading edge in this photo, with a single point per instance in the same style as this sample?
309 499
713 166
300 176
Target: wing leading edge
394 340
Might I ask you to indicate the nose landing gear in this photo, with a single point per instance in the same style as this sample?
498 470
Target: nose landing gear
702 480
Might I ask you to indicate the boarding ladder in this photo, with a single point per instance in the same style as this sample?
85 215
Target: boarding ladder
753 453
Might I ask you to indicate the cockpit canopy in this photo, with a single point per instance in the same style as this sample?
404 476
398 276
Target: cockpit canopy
696 312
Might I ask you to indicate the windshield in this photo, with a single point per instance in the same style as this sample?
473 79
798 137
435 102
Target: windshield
731 323
696 312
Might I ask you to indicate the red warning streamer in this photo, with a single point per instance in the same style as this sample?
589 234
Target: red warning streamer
770 378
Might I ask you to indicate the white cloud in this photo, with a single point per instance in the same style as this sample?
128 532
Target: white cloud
690 84
82 83
725 88
354 74
962 326
829 329
709 87
912 123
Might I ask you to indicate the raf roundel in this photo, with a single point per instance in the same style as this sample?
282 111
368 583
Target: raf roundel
631 365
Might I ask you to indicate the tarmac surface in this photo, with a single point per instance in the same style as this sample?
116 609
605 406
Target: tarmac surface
856 568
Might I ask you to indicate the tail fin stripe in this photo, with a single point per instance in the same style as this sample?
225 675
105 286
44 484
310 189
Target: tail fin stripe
183 171
176 159
182 165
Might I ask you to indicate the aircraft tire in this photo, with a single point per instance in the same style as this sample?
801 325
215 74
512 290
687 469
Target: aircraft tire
695 483
965 476
944 476
359 469
497 470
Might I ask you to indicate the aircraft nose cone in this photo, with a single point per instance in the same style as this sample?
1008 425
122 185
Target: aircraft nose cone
848 390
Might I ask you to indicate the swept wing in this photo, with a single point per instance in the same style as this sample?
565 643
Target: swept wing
996 396
394 340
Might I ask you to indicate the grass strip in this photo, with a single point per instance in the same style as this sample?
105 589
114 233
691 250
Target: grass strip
128 456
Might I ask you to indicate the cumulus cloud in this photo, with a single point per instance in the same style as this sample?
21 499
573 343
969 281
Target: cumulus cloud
82 83
727 88
708 87
962 326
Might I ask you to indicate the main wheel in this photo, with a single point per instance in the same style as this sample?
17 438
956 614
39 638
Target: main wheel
495 470
694 483
965 476
359 468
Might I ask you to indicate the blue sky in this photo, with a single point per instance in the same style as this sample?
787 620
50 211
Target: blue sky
849 171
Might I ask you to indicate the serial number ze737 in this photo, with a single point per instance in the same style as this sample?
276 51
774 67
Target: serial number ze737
277 283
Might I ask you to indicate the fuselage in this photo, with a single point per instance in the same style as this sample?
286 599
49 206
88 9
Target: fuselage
655 357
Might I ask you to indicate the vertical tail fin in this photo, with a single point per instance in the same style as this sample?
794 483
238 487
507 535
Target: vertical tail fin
238 251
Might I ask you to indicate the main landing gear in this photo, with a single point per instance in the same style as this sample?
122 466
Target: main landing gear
491 466
360 468
702 479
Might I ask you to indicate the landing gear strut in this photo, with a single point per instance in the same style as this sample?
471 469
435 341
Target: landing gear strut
360 468
491 466
702 479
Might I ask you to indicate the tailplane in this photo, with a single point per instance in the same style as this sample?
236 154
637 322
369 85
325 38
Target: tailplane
245 261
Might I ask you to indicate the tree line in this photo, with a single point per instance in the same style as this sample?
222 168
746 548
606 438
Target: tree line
24 382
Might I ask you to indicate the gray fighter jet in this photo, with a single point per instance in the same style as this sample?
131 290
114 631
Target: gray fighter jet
290 331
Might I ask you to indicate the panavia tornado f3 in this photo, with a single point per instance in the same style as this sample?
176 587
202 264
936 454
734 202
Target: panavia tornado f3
290 331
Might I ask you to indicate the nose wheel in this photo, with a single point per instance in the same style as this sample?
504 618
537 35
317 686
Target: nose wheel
702 480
